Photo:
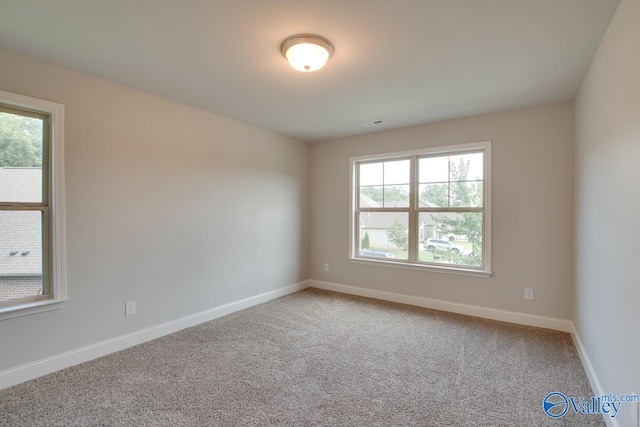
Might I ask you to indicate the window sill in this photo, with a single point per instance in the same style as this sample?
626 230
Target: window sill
30 308
419 267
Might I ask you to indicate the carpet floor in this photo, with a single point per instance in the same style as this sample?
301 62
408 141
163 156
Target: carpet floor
317 358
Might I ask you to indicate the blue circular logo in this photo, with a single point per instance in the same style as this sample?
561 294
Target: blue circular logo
555 405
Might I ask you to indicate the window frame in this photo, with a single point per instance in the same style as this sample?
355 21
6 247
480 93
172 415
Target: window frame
414 209
52 206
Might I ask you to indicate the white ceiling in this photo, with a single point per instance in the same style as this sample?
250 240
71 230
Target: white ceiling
403 61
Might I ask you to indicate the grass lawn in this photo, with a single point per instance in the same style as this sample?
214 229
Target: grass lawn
400 254
424 255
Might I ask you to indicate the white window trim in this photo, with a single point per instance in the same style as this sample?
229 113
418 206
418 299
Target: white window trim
451 149
58 256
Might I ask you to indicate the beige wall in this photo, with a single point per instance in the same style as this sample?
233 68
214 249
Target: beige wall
607 208
176 208
532 211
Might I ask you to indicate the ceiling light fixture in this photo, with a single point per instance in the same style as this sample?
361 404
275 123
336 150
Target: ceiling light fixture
306 52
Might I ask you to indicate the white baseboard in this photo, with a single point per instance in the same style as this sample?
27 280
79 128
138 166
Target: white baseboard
591 373
51 364
470 310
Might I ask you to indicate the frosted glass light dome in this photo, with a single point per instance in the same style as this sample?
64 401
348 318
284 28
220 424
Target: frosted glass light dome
306 52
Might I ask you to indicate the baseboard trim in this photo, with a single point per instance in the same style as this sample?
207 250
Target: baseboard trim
596 386
470 310
57 362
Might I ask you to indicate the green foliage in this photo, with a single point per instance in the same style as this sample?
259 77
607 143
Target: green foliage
398 235
375 193
460 193
466 194
466 224
463 193
436 195
365 242
20 141
475 258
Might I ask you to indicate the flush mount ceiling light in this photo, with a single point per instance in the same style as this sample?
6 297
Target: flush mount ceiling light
306 52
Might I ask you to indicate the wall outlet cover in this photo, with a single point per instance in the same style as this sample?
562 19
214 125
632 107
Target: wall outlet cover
129 308
528 293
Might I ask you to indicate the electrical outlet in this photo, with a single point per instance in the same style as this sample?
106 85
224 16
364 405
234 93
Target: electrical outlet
528 293
129 308
326 267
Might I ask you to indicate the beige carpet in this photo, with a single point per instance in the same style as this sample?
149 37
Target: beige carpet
317 358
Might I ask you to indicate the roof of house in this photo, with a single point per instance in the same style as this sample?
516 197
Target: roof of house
384 220
22 185
20 231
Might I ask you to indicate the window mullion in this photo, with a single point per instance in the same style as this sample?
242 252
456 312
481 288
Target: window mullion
413 220
454 210
46 253
355 247
46 156
22 207
384 209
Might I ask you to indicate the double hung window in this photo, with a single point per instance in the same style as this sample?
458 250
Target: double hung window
424 208
31 204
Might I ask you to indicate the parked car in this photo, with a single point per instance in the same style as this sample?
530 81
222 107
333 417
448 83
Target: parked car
442 245
376 254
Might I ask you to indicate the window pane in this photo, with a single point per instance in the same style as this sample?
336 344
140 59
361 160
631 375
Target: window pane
371 197
395 175
396 196
451 181
397 172
466 194
20 158
434 195
20 254
371 174
384 235
467 167
433 169
450 238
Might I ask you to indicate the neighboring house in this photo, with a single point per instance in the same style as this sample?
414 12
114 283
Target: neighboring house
20 235
376 224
